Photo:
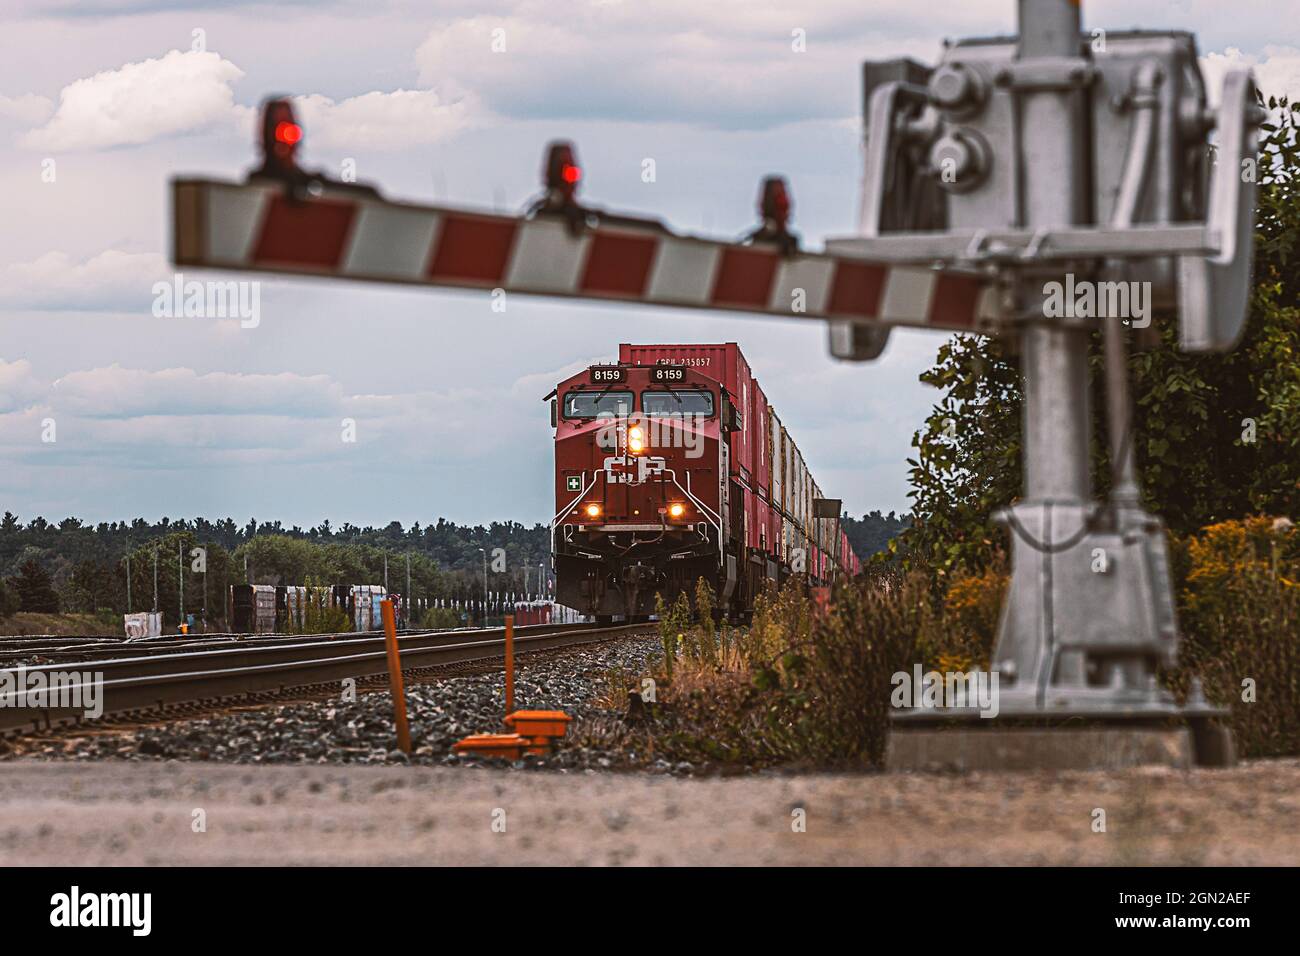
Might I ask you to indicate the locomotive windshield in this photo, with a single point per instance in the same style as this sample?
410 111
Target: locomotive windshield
659 404
595 404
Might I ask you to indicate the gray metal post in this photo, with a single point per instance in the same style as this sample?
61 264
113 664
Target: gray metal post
1053 189
1054 181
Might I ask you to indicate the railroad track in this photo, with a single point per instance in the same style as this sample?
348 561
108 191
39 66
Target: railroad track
46 649
257 671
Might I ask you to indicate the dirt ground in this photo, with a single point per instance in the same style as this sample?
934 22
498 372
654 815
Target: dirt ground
185 813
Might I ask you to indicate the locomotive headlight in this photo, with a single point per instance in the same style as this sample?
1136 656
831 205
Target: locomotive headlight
635 440
676 509
593 510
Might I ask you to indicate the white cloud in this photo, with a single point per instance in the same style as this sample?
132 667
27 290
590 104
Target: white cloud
18 385
1277 70
181 418
695 63
117 392
112 281
139 102
383 121
189 92
28 108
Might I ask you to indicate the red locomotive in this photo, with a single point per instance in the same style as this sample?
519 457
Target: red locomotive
671 466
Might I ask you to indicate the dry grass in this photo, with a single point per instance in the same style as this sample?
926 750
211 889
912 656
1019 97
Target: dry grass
797 687
62 625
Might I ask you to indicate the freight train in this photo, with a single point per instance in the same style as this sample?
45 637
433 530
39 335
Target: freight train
671 466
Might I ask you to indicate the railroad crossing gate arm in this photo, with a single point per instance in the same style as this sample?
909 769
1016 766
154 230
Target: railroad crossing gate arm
288 221
261 227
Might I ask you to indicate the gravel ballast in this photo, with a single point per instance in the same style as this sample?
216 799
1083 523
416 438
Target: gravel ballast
441 711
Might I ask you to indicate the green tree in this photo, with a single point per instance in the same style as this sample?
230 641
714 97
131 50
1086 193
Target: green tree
35 589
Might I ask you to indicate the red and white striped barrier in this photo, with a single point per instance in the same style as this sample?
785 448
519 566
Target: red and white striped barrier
346 235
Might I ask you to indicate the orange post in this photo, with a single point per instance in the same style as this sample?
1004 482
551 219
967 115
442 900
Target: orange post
395 676
510 664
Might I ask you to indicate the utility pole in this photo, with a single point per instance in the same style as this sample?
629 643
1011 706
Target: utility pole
385 572
155 579
128 578
205 588
483 551
406 598
180 574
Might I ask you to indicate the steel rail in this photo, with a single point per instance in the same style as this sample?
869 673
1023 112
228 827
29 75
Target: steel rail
124 685
59 651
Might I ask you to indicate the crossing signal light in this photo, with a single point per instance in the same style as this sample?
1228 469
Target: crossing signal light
281 135
287 134
562 171
774 204
774 211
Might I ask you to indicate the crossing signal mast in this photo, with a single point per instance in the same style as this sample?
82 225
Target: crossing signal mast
1014 172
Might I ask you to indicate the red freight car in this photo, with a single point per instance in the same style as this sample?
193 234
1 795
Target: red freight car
671 466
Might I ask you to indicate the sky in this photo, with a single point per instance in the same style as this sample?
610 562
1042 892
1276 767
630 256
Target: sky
102 102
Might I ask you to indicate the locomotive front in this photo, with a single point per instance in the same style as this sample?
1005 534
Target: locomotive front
640 463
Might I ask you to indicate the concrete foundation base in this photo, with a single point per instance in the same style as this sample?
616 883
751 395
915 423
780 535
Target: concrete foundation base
1039 748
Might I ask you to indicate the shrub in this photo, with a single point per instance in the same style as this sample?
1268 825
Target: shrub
440 618
706 647
318 616
674 622
797 686
1239 606
972 605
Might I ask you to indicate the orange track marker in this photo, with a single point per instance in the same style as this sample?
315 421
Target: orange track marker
510 665
395 676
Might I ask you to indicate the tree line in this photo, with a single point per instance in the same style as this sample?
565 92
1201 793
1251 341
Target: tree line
173 565
182 564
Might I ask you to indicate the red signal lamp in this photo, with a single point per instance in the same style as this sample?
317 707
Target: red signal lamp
288 134
774 203
562 172
281 136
